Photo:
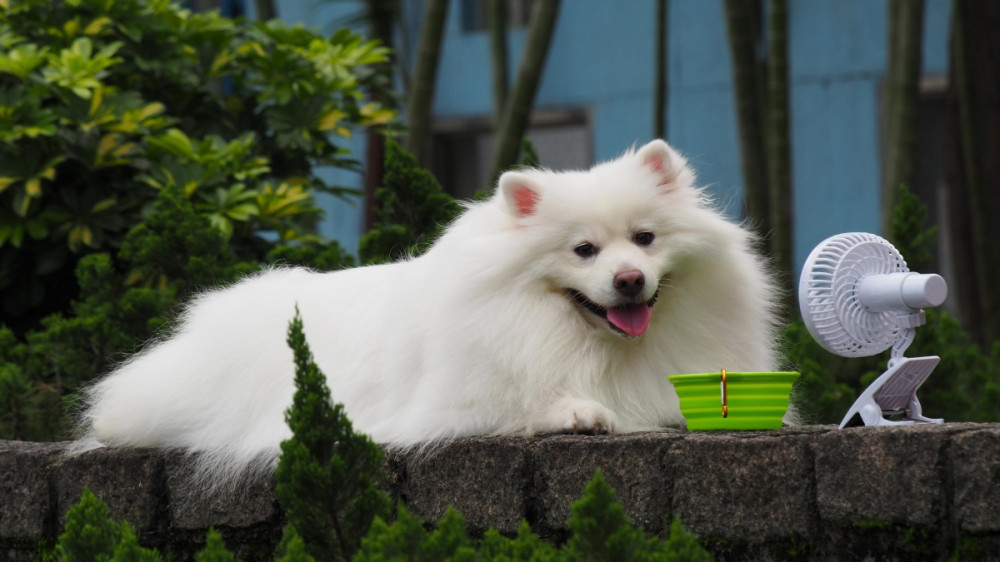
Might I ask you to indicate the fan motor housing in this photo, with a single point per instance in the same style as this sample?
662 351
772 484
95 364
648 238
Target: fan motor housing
902 291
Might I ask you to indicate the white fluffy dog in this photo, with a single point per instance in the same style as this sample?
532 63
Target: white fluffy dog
561 304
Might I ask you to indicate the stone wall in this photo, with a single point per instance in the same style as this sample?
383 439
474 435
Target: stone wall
919 492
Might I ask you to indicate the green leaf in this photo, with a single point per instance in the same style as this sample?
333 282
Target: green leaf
7 233
6 182
21 204
78 68
175 142
22 60
242 212
37 229
97 25
33 187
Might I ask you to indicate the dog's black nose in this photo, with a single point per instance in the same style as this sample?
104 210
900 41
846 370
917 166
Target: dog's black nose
629 283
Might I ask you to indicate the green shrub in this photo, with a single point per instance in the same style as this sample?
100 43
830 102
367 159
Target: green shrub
103 104
215 549
292 548
327 475
91 536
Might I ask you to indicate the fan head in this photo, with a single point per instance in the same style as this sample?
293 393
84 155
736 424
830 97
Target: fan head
830 296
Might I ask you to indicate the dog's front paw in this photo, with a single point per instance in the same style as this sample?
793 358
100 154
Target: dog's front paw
578 415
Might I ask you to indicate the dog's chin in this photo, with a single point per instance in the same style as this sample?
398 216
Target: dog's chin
629 319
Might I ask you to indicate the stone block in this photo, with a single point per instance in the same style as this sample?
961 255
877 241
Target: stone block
882 475
25 501
129 481
634 465
752 487
484 478
194 505
975 466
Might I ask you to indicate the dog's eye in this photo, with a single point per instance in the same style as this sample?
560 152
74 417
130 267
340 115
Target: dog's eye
586 250
644 238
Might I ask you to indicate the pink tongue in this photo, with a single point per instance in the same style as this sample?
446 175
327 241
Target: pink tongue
632 319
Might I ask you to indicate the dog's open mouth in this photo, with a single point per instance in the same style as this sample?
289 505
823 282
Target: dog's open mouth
628 319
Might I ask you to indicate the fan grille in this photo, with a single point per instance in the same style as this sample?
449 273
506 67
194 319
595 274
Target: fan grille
829 299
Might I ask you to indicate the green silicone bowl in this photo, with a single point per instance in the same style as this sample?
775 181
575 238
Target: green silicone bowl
753 400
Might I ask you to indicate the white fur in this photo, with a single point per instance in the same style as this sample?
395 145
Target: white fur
475 337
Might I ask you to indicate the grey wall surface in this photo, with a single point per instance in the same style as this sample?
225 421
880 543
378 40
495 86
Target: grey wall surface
918 492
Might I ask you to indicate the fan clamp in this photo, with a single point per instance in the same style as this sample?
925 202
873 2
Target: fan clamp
858 298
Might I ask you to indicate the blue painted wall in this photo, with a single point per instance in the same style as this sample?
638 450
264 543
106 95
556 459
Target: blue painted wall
601 59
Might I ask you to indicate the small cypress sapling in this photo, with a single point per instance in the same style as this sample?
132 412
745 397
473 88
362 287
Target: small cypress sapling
91 536
321 257
401 539
412 209
89 533
600 528
292 548
526 545
449 540
529 159
327 474
966 383
407 539
215 549
529 155
128 549
910 233
602 531
680 545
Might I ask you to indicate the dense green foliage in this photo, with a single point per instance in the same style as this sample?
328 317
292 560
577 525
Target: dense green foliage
327 475
105 103
126 300
965 386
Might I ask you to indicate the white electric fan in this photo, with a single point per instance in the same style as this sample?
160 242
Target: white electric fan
858 298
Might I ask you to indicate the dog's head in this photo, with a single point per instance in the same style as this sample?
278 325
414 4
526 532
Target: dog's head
609 238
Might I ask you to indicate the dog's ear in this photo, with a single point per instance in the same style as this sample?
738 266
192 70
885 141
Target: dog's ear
521 192
668 164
